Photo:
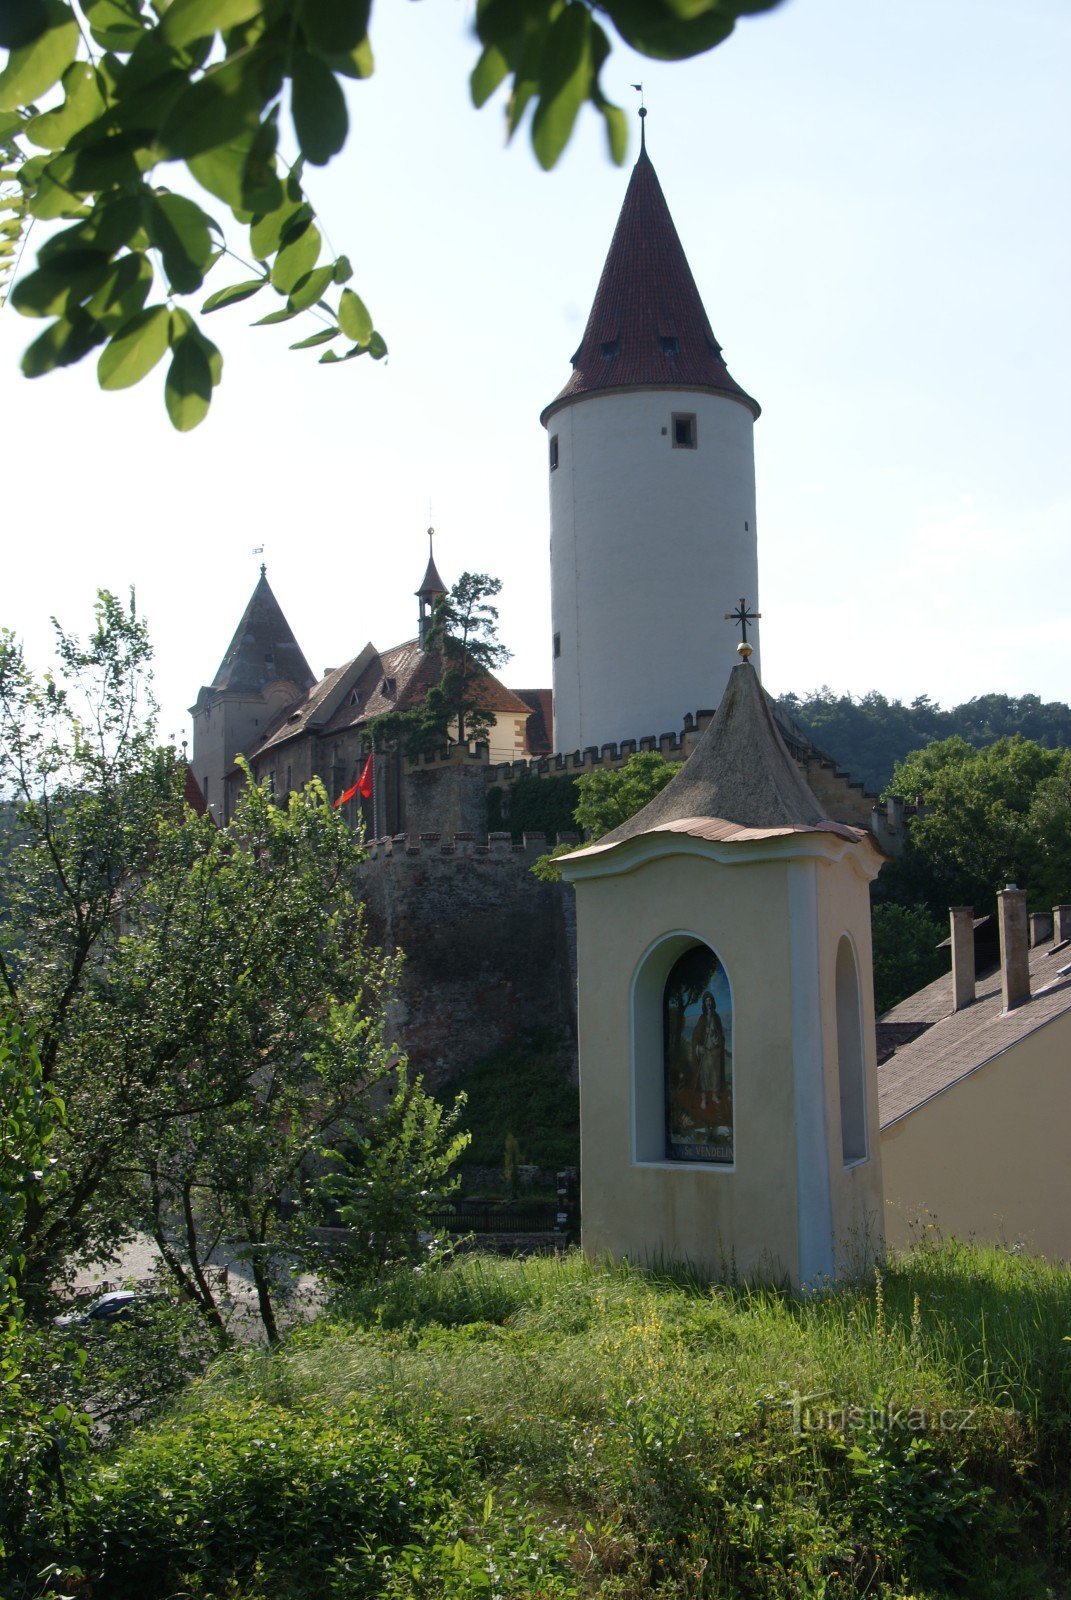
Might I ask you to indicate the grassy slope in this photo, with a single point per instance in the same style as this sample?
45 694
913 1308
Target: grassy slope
546 1429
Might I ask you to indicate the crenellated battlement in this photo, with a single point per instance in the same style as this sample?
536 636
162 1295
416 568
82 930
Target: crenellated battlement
436 846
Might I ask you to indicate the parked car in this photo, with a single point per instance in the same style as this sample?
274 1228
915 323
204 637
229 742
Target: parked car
109 1308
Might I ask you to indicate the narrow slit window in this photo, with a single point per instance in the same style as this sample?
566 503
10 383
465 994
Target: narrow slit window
684 430
557 645
553 452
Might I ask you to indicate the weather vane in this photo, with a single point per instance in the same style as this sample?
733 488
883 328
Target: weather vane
258 550
743 616
643 112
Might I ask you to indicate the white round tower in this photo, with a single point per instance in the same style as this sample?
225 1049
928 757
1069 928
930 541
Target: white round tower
652 495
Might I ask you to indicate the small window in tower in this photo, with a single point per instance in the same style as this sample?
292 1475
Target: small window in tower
669 344
609 348
289 779
684 431
553 451
557 645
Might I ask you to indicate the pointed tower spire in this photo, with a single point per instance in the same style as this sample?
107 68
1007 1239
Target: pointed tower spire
263 649
431 589
648 325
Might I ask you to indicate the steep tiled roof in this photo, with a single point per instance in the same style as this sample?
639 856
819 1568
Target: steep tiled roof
432 584
541 720
648 326
391 680
263 649
952 1044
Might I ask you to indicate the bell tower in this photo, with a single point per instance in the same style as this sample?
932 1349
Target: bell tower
652 492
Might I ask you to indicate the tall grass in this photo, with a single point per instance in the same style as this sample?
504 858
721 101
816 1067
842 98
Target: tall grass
629 1434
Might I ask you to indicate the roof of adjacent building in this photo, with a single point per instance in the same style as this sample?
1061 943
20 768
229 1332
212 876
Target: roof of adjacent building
541 721
648 326
948 1045
372 684
263 649
740 782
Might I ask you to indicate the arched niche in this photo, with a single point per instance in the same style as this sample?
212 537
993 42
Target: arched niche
682 1055
851 1073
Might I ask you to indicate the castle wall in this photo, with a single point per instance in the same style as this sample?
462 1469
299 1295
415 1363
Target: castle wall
489 952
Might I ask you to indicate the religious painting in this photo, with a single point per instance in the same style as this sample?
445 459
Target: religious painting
697 1012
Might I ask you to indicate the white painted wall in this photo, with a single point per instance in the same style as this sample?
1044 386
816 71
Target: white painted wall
650 546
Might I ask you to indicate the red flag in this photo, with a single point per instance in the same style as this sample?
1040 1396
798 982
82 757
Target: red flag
364 782
341 801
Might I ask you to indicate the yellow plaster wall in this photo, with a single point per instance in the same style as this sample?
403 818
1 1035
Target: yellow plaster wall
988 1158
720 1218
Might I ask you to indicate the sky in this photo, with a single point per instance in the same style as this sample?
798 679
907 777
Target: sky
875 202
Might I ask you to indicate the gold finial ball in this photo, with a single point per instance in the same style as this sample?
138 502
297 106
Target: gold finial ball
744 651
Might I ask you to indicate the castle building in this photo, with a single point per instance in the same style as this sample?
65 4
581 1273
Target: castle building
652 493
267 705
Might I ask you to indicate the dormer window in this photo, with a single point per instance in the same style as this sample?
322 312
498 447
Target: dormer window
609 348
669 344
387 686
355 697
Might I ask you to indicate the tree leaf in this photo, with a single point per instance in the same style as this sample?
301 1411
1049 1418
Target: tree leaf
243 171
296 257
565 82
187 20
224 104
354 318
356 63
114 221
318 108
284 314
115 24
123 292
377 346
46 292
62 344
316 338
487 74
182 232
82 104
308 289
343 270
335 26
21 22
669 33
184 327
135 349
266 234
231 295
34 67
188 386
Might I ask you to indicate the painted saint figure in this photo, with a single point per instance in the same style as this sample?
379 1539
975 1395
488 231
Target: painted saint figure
708 1051
697 1035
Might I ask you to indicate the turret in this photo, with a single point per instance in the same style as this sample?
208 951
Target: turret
432 588
652 493
263 669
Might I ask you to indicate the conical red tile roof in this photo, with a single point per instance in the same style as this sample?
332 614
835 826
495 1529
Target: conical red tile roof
647 325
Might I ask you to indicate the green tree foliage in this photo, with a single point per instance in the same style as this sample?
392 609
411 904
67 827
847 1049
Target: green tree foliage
533 805
204 1001
608 797
463 641
215 85
869 734
996 815
906 957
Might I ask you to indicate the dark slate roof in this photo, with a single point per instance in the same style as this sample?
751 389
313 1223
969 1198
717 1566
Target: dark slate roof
949 1045
432 584
647 297
263 649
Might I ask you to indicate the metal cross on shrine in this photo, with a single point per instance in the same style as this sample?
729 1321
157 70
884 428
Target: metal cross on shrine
743 616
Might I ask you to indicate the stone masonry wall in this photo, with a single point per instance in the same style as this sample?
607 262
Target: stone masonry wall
489 950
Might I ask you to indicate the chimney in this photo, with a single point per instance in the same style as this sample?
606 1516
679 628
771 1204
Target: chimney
1014 951
1061 920
962 920
1040 928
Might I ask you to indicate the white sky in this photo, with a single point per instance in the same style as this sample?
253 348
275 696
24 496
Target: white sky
874 199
